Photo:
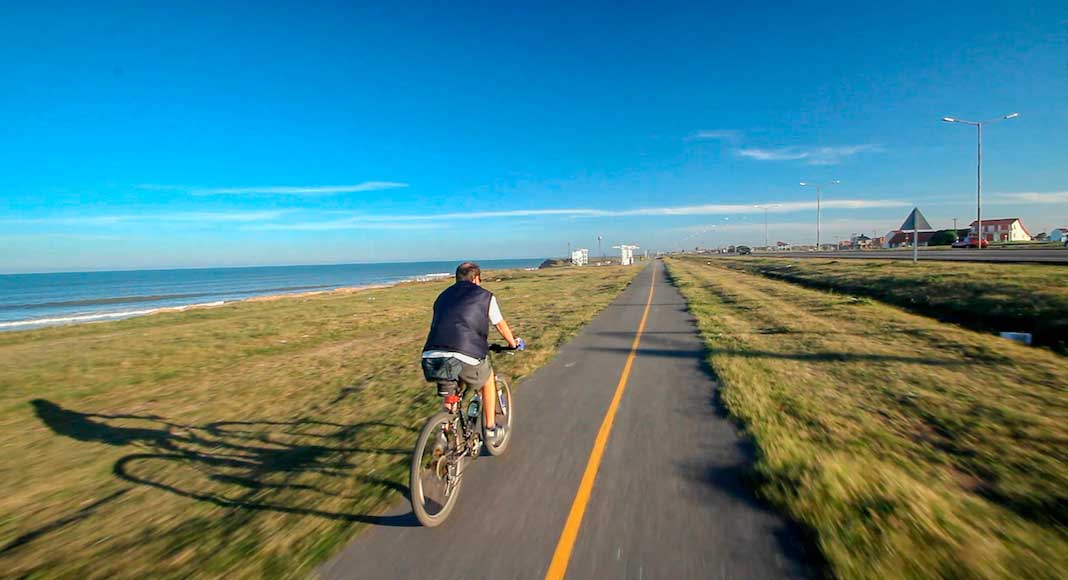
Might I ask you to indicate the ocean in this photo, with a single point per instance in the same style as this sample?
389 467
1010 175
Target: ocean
36 300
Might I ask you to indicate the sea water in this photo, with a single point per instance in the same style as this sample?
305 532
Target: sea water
35 300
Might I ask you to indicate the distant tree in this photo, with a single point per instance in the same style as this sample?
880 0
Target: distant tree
942 238
1041 237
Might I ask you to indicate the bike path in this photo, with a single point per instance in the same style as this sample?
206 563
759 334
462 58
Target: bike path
668 499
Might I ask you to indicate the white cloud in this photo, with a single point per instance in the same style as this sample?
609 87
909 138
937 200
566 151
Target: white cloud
312 190
357 221
337 225
784 207
196 216
1035 197
434 220
810 155
717 135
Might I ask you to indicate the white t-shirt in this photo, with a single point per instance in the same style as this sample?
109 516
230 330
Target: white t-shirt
495 318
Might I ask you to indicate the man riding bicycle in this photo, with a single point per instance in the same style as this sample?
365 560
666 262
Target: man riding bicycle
458 342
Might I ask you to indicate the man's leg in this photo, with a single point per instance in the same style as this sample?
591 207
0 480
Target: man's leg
489 401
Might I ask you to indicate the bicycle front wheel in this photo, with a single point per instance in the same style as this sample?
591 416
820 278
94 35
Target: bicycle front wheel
434 481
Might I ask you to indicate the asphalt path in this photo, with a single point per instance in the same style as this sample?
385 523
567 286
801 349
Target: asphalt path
1047 256
668 497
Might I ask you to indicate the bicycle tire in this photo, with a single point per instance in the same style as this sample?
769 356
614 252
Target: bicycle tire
504 393
416 486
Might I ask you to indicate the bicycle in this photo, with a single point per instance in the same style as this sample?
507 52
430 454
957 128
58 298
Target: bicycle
447 445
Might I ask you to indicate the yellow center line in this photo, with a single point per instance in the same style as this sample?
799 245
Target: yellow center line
566 543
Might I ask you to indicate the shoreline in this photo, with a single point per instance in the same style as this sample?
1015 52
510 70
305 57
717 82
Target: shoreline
90 318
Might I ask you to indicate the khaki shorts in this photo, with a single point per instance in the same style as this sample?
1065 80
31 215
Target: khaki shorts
476 375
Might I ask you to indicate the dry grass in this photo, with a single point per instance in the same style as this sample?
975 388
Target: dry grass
247 441
912 448
992 297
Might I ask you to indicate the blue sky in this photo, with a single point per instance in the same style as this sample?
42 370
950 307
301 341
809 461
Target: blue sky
181 134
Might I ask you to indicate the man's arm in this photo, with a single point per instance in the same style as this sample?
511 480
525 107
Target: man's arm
497 319
506 332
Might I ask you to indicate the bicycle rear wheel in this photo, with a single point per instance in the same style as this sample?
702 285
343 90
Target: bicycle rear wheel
504 416
434 481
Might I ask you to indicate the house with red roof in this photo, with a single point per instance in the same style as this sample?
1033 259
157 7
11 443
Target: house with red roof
1003 230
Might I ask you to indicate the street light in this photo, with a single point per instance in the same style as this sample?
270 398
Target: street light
818 186
979 169
766 208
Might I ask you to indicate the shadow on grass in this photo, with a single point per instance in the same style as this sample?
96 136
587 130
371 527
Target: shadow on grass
229 464
975 308
64 521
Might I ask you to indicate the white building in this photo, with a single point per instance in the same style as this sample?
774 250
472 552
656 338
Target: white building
1003 230
580 257
626 254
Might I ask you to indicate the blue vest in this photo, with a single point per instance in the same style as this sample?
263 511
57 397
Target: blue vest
461 320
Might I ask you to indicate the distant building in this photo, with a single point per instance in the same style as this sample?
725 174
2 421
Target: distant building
626 254
580 257
1058 235
915 225
878 242
1003 230
860 242
900 239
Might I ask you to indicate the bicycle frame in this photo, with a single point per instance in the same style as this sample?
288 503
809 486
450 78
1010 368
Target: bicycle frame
471 429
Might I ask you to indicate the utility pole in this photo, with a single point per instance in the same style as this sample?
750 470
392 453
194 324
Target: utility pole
569 251
599 249
955 238
979 169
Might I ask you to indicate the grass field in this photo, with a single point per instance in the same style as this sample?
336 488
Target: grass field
911 448
991 297
250 440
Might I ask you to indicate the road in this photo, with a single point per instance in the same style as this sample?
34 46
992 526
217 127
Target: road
1049 256
667 498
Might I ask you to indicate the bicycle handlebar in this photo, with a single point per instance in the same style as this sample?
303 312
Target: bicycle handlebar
502 348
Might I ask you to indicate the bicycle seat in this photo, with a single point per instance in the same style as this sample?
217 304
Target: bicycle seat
447 387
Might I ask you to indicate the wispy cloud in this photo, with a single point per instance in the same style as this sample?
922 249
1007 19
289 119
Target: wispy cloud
810 155
268 220
414 221
1035 197
194 216
783 207
302 190
337 225
793 228
717 135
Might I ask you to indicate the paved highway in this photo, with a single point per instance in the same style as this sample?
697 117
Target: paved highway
634 425
1051 256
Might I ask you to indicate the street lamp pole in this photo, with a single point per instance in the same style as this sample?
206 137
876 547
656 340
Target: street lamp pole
979 169
766 208
819 187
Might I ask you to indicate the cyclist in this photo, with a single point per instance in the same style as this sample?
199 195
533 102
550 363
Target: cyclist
458 342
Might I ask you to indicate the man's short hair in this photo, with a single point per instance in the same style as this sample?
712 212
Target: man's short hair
467 272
